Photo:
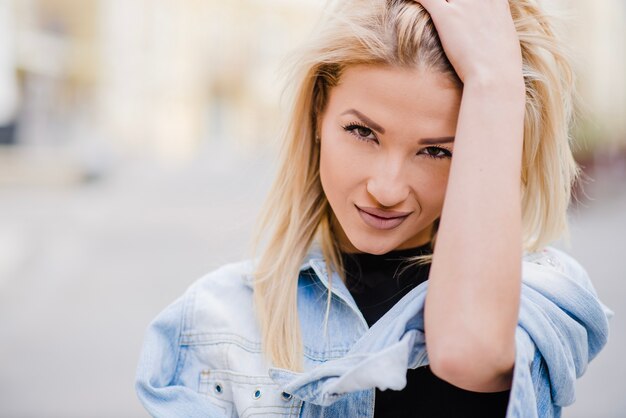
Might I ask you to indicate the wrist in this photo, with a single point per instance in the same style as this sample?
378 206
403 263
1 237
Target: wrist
509 86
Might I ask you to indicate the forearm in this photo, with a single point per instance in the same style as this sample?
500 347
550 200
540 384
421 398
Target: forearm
474 284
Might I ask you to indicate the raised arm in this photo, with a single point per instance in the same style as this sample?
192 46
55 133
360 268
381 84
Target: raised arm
472 304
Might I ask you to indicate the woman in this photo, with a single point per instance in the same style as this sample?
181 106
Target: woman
331 320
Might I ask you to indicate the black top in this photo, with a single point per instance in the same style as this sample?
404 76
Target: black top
376 283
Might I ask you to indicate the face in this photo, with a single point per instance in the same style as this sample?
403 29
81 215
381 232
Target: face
387 137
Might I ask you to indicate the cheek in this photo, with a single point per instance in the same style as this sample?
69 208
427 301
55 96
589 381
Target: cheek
429 185
339 170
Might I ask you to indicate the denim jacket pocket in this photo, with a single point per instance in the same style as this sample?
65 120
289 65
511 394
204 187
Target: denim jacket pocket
242 395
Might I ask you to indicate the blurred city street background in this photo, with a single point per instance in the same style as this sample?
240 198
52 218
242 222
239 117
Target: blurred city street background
136 146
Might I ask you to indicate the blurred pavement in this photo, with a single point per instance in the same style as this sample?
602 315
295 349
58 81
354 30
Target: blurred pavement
84 268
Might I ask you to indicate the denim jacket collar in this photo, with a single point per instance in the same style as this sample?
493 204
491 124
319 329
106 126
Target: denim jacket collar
315 260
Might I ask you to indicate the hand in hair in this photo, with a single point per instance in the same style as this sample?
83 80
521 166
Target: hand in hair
479 38
481 215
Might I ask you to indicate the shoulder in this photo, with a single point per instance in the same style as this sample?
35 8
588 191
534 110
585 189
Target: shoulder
220 303
563 321
229 279
203 357
553 263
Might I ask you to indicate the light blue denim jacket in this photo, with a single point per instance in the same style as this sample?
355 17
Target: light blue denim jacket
202 355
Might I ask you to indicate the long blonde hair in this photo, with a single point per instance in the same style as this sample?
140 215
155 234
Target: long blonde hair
397 33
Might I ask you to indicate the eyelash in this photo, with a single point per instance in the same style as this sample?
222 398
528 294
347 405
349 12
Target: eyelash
352 127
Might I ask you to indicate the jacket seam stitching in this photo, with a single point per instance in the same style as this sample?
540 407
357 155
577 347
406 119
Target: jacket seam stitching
188 303
187 339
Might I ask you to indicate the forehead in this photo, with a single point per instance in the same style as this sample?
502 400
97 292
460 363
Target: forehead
396 93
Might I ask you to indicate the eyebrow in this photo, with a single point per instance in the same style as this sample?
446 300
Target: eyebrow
435 141
378 128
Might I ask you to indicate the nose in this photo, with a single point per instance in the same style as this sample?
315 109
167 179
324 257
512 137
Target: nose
388 184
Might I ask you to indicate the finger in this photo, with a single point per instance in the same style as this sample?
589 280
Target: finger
433 7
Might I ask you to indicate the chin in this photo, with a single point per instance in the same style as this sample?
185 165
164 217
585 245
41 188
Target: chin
373 246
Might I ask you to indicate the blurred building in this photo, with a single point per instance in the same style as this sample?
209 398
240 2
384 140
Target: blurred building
597 33
9 96
153 77
176 74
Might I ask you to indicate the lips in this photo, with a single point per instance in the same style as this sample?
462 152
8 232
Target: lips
381 219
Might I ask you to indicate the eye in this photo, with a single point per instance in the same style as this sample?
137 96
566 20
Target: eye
360 131
437 152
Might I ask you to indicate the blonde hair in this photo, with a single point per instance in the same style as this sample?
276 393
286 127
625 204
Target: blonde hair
397 33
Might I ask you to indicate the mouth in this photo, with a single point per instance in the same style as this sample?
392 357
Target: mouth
381 219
